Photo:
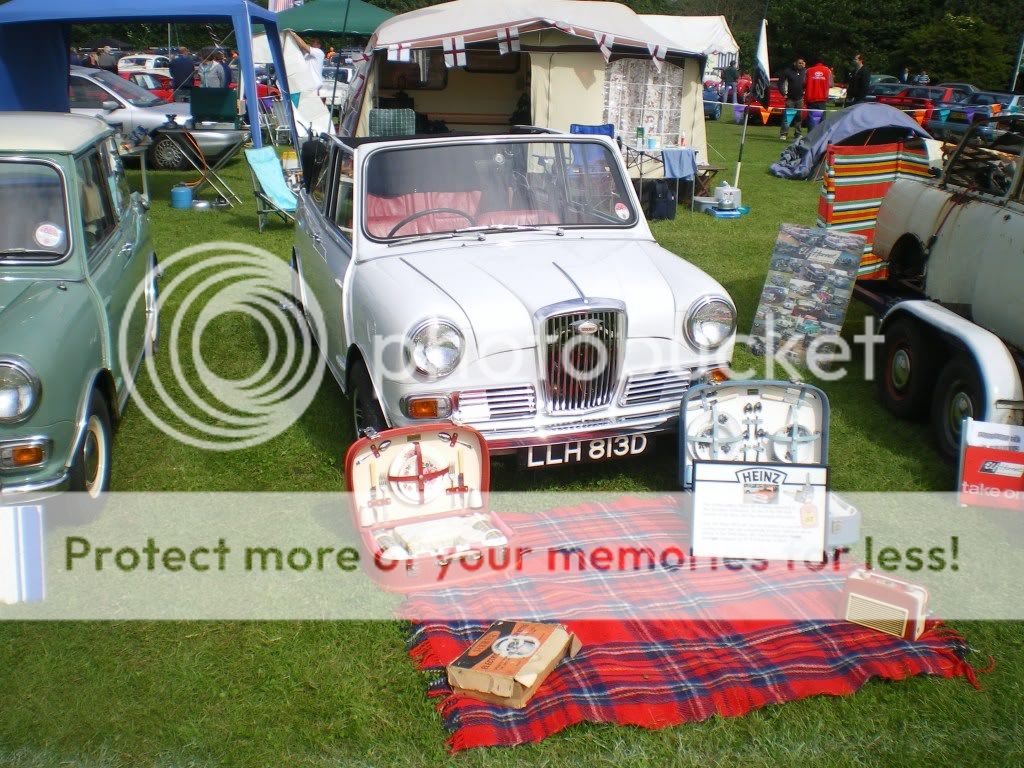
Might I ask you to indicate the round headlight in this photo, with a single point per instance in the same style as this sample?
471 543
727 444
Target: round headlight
710 323
19 390
436 347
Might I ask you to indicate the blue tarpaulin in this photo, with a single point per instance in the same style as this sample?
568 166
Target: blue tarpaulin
34 55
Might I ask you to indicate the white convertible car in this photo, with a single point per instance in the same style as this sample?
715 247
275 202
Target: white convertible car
508 282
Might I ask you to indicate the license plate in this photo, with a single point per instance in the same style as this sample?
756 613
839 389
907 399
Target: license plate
580 451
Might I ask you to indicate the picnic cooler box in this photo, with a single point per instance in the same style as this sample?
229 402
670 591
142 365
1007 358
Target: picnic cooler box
419 500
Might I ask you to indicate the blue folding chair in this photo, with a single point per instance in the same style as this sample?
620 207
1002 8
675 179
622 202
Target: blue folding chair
588 155
273 196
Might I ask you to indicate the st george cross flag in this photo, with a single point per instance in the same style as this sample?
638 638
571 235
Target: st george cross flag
399 52
508 40
762 76
455 51
359 58
605 43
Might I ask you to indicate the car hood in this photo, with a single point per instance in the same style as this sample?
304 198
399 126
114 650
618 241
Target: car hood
500 286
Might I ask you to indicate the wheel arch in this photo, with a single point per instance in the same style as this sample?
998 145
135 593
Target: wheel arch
1000 376
907 256
353 357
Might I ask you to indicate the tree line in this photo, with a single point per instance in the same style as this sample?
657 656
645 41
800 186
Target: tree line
954 40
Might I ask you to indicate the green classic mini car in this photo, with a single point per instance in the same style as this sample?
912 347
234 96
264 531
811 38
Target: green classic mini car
76 262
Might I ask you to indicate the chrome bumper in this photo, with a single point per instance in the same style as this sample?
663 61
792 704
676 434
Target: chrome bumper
503 441
23 493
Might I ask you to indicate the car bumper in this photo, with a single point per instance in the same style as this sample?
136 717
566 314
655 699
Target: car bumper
36 489
505 440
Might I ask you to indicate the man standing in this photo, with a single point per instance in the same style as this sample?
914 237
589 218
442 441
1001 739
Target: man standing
729 77
791 83
860 79
819 80
106 59
314 56
183 73
211 72
921 78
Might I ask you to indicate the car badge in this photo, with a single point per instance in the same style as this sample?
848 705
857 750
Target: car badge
587 327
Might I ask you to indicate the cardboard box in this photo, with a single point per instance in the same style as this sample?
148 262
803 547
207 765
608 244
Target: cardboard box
510 662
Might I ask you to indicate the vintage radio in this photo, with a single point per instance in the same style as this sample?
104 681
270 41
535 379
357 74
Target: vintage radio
419 499
889 605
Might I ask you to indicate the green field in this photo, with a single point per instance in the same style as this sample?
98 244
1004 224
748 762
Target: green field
334 693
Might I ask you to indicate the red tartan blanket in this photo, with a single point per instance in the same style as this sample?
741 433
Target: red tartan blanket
656 673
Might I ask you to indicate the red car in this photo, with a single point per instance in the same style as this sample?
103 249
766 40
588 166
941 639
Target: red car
159 85
923 97
163 87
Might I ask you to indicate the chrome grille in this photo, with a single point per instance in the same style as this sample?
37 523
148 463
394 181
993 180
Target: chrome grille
577 376
657 387
497 403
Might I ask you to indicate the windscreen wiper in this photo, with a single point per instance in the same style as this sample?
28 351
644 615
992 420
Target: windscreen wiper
480 231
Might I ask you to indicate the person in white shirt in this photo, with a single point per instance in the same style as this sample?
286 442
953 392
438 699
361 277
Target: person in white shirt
314 55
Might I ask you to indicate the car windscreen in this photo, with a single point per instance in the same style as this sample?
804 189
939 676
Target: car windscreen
415 191
130 92
33 216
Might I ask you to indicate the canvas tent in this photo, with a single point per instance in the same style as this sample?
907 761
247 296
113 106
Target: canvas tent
865 124
337 17
709 35
34 54
481 65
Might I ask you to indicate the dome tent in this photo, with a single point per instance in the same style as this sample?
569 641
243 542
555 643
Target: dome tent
862 124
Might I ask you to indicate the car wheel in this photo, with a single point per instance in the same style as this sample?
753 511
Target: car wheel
165 155
90 470
958 395
906 369
366 410
152 297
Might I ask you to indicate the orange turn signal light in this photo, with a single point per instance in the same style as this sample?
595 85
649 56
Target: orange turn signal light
27 455
717 375
432 407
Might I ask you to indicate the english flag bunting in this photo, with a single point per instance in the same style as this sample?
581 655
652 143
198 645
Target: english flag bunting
508 40
605 43
455 51
762 75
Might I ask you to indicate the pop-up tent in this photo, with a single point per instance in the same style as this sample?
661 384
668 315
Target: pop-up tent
709 35
336 17
34 53
481 65
866 124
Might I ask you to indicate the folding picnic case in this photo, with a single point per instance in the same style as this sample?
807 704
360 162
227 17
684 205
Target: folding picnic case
419 499
756 422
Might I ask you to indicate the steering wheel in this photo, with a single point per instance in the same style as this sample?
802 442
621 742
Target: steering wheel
418 214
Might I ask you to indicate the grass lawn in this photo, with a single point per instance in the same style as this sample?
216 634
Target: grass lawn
330 694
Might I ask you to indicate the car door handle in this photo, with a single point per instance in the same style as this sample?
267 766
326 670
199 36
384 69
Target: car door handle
127 249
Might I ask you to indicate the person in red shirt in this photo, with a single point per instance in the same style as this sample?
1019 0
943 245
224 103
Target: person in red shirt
818 81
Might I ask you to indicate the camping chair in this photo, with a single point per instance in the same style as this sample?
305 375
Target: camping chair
272 193
279 119
392 122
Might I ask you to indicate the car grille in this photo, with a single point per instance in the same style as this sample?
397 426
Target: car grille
497 403
577 375
657 387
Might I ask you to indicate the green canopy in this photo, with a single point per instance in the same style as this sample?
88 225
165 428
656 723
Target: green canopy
338 17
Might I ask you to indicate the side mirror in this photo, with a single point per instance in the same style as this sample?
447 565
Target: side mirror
110 106
935 173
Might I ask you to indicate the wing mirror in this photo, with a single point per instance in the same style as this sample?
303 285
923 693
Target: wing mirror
935 173
110 106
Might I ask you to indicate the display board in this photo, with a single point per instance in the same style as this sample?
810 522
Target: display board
807 290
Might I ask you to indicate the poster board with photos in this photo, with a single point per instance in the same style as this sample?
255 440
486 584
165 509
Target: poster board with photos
807 290
759 511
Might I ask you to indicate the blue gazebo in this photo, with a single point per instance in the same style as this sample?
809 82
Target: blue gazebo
34 44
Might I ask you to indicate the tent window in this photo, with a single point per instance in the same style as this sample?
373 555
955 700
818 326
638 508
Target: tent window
424 72
636 94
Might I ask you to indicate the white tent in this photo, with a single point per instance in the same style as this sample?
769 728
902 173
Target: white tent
576 61
709 35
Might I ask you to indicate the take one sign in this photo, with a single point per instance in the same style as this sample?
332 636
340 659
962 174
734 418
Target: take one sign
991 465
